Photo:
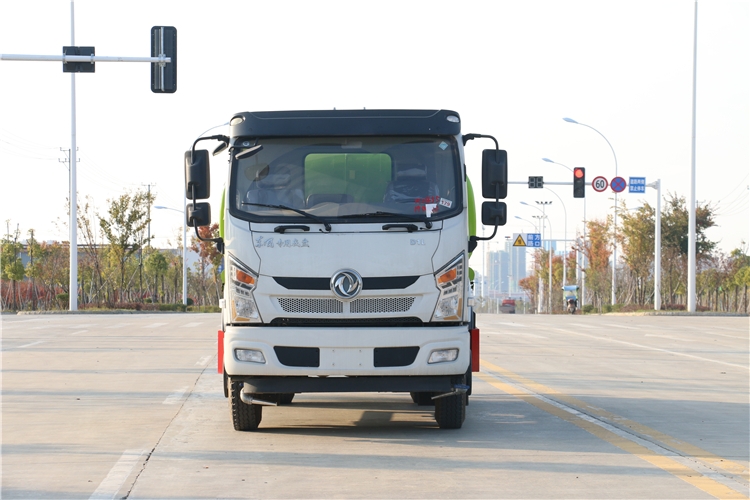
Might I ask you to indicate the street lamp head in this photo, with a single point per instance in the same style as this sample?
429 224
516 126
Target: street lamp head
570 120
547 160
524 203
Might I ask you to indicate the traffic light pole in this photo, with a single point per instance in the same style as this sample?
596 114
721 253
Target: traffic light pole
68 67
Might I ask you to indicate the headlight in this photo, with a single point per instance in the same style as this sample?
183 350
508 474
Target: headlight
242 282
450 281
443 356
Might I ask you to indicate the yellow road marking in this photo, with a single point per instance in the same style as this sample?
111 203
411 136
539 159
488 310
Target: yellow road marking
681 446
667 464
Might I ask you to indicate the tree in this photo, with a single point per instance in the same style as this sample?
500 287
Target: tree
209 260
33 250
156 266
127 219
12 266
674 230
597 249
91 264
636 236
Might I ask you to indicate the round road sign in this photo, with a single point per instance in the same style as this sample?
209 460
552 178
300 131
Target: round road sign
599 184
618 184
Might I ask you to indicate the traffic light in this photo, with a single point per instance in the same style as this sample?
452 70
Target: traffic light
579 182
164 42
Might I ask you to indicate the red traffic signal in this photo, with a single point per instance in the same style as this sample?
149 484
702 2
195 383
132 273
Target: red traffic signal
579 182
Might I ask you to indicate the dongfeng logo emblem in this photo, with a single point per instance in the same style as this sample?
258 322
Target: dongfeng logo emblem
346 284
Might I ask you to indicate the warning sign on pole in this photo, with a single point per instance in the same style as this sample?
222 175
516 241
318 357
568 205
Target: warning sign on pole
519 240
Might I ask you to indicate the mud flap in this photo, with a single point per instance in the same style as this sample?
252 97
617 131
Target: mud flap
474 349
221 352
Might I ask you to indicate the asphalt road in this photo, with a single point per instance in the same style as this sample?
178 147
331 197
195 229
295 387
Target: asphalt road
131 406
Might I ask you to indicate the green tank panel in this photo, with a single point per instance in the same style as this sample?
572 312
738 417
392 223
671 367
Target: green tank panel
472 217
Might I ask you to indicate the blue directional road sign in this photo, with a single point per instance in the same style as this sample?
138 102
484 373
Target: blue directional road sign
637 185
534 240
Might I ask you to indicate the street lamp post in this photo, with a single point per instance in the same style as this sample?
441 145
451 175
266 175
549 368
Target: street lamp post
657 245
614 240
536 228
549 278
583 265
184 249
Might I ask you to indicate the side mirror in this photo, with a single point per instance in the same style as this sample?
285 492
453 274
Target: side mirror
494 174
198 214
197 178
494 213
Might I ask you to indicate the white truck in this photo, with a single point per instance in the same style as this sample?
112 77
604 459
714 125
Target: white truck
346 237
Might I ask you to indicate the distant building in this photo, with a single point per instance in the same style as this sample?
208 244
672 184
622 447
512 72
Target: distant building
503 270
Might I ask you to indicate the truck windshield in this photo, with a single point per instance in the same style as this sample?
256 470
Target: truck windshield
348 179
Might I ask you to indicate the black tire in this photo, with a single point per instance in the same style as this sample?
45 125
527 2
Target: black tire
226 384
423 398
450 411
245 417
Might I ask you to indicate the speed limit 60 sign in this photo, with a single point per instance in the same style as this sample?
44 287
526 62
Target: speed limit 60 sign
599 184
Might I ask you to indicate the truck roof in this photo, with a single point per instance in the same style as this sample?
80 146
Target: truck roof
352 122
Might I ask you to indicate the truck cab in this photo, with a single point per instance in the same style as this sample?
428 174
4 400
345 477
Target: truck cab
346 239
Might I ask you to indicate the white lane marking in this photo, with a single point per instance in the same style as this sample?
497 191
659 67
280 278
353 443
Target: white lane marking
89 325
154 325
617 325
724 335
79 331
175 397
582 325
746 367
118 325
191 325
668 337
203 360
117 476
33 343
517 334
510 324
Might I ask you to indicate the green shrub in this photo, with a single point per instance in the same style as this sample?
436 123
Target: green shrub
588 309
204 309
172 307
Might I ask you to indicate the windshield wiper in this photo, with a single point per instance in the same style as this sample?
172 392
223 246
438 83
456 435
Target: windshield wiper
301 212
428 224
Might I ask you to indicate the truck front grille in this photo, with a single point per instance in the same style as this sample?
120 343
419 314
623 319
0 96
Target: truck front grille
351 322
384 305
311 306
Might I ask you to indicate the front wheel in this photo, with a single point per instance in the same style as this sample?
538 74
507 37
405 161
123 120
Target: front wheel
245 417
450 411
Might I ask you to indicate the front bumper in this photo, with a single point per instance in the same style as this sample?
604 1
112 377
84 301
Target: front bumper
350 352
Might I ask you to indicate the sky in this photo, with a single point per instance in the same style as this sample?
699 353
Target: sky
511 69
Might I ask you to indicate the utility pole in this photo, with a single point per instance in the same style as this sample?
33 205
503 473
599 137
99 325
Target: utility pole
82 60
148 240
